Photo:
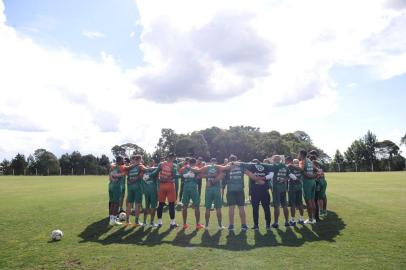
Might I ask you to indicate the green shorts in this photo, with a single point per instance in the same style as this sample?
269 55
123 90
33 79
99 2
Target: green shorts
323 188
279 198
235 198
134 193
295 198
151 199
309 189
114 192
191 194
213 195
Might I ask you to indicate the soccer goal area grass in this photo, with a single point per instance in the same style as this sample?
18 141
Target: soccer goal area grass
365 229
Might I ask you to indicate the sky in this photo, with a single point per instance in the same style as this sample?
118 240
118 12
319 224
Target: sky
87 75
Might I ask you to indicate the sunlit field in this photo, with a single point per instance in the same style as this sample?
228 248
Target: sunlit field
365 229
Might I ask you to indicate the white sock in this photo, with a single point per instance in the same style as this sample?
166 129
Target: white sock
172 222
160 221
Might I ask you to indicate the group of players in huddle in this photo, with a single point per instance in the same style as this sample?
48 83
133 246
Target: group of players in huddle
288 181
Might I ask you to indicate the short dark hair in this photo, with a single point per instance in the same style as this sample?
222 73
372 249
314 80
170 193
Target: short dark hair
232 157
303 153
119 158
312 158
314 153
288 158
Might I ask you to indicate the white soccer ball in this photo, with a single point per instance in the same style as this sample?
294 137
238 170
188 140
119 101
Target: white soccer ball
122 216
56 235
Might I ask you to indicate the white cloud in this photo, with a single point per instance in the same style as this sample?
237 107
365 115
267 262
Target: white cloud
93 34
255 63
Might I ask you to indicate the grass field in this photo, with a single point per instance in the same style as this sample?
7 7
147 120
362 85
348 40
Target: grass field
365 229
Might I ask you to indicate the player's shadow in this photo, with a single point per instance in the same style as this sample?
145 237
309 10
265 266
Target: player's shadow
325 230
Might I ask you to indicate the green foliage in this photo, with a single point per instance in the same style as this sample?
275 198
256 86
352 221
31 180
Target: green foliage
19 164
46 162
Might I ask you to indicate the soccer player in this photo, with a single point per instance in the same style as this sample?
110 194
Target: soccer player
280 186
134 188
182 179
309 184
167 173
214 174
295 192
235 193
151 196
121 180
190 192
320 182
199 164
323 195
114 194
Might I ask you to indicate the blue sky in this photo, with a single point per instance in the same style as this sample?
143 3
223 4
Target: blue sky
85 75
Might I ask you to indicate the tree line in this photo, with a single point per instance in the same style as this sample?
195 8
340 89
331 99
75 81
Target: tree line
364 154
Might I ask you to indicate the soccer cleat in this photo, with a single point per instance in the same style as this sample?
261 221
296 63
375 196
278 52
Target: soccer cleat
301 222
244 228
199 226
231 227
139 224
159 226
255 228
292 223
116 222
275 225
185 226
220 228
268 228
287 224
153 225
313 221
173 226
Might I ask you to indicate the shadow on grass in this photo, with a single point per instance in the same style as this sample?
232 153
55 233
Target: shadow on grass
325 230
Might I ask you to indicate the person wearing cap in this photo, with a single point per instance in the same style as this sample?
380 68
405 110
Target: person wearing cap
167 172
309 184
190 193
235 192
295 192
214 174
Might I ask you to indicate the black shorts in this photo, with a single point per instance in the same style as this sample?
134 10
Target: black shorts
236 198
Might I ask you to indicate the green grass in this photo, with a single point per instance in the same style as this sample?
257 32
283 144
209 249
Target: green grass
365 229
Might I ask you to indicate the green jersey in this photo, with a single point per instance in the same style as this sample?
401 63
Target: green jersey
308 168
295 185
212 173
280 178
151 184
134 175
189 182
235 178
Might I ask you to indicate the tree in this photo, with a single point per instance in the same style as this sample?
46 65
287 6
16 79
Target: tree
386 150
166 144
76 162
355 153
338 159
65 164
103 164
193 145
18 164
6 167
31 167
89 164
46 162
370 142
117 150
403 140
